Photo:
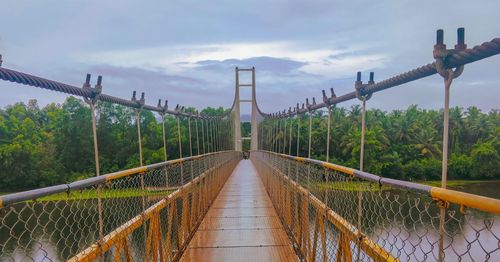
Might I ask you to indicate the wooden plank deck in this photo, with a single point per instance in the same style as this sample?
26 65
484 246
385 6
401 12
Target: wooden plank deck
241 225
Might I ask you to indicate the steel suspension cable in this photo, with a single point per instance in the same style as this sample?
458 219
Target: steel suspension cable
462 57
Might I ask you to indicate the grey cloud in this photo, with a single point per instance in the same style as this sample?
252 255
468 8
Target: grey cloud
263 63
140 74
48 38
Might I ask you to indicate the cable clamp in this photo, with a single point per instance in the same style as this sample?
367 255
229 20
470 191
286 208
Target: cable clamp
441 55
94 92
362 92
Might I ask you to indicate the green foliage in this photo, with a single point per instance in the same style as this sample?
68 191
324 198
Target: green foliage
403 144
43 147
54 144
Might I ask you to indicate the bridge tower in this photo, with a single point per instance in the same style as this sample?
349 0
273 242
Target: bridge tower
238 145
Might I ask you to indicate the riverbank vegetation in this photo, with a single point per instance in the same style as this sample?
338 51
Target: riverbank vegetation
403 144
53 144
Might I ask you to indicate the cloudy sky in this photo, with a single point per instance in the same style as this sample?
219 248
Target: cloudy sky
186 51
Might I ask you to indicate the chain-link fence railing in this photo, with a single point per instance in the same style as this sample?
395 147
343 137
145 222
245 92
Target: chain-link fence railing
334 213
142 214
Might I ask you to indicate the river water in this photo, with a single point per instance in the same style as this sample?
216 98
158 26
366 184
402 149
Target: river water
406 224
400 222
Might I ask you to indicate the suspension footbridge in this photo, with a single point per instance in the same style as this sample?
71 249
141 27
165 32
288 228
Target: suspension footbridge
213 205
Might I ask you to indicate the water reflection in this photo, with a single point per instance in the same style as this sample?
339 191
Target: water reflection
407 224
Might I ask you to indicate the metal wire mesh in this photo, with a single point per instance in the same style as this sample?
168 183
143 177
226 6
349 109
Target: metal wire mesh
319 208
145 215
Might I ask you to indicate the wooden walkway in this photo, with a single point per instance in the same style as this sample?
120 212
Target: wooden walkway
241 225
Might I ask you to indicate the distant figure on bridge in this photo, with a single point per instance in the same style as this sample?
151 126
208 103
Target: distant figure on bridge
246 154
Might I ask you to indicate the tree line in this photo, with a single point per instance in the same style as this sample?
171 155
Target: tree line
50 145
402 144
54 144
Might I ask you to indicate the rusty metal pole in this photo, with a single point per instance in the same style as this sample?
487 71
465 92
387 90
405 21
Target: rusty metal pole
190 137
271 135
92 101
290 139
284 135
275 136
214 133
209 136
140 104
165 149
209 143
180 147
328 134
179 136
197 136
363 128
217 133
298 133
138 123
271 130
212 148
190 146
362 95
299 116
278 133
203 135
310 135
309 151
440 54
164 136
